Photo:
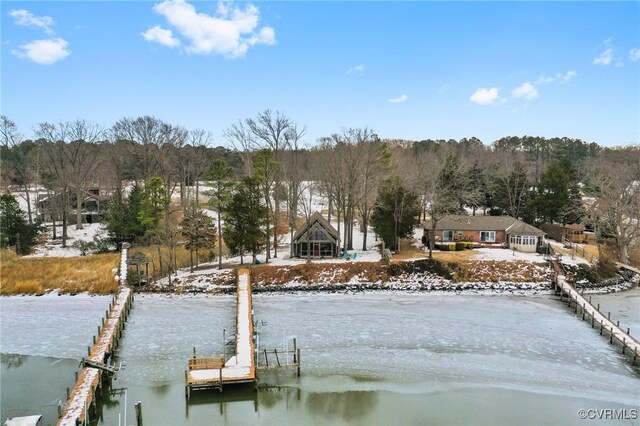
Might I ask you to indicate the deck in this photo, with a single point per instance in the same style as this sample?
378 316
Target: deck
214 372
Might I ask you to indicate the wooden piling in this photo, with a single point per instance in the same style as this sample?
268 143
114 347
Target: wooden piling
138 408
298 364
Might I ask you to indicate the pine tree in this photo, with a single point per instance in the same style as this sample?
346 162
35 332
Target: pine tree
199 230
219 175
15 232
395 213
246 220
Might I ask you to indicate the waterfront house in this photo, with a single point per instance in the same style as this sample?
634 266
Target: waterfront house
94 206
487 231
317 239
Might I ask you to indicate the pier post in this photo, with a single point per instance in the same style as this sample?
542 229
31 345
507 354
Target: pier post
67 394
138 407
88 350
295 354
628 330
298 362
624 344
598 308
611 335
609 316
94 339
583 312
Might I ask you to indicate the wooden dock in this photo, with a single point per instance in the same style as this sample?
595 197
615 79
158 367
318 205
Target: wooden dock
588 312
215 372
81 401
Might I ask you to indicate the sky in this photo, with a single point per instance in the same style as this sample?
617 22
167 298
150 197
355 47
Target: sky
408 70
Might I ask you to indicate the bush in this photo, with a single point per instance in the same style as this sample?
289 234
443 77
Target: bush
460 245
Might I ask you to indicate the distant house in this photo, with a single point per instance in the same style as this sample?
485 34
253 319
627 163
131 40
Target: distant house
317 239
561 233
504 231
93 210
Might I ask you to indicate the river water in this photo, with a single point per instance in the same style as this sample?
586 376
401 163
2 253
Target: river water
379 358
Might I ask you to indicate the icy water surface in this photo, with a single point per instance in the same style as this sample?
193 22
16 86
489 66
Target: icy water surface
386 358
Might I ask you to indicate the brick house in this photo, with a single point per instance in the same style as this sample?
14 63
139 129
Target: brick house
491 231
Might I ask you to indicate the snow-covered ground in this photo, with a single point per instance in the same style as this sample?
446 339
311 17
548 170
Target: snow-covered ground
55 249
505 254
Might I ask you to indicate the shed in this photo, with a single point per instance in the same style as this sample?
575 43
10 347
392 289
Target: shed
317 239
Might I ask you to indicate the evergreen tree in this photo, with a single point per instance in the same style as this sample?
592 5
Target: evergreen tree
123 221
14 230
153 203
199 230
557 197
219 175
246 220
395 213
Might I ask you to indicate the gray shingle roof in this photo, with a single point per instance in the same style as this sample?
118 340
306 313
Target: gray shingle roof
484 223
317 217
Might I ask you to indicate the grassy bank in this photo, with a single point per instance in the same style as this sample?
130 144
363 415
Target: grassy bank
38 275
20 275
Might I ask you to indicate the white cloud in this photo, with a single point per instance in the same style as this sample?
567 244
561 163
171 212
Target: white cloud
604 58
558 78
566 76
486 96
25 18
44 52
158 34
634 54
232 31
525 91
400 99
358 69
545 80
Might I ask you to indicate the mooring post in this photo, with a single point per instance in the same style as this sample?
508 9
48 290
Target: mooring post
94 339
618 323
138 407
266 360
67 393
224 346
275 351
99 328
295 345
628 330
598 308
194 351
88 350
609 316
624 344
75 374
298 362
583 312
611 335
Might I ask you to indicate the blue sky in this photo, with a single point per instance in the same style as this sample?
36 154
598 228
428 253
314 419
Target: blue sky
410 70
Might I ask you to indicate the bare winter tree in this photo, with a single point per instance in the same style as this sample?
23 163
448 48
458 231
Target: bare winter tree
18 162
270 130
615 184
292 176
54 137
82 158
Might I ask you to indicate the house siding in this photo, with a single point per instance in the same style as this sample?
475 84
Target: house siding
472 236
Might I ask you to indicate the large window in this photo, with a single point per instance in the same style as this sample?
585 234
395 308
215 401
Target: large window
525 240
447 236
488 236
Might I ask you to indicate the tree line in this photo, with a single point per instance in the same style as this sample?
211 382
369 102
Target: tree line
272 176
